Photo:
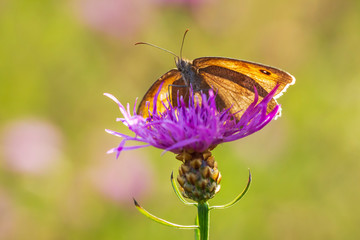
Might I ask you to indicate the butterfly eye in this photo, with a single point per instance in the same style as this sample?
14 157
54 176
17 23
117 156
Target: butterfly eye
265 72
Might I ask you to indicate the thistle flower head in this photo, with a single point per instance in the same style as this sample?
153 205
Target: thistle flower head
192 125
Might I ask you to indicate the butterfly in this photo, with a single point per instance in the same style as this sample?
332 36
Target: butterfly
232 80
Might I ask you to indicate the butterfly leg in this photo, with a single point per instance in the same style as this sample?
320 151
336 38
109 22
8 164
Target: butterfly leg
174 85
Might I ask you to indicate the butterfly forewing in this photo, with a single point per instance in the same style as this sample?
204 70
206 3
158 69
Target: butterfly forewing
265 76
172 77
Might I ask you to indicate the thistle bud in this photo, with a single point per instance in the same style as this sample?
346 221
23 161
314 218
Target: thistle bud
198 177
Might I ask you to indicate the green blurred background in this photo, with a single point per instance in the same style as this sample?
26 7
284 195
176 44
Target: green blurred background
57 58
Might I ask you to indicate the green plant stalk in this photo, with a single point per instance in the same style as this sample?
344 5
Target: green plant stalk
204 220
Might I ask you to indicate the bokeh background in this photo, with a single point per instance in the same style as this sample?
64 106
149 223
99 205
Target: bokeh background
57 58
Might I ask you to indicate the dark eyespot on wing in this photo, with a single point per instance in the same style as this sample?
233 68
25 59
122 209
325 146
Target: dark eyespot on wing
265 72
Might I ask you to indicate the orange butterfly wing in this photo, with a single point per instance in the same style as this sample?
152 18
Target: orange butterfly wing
172 77
234 80
266 76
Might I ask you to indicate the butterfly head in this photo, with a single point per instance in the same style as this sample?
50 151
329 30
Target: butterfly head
183 65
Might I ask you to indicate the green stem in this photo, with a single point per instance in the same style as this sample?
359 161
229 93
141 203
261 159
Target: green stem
204 220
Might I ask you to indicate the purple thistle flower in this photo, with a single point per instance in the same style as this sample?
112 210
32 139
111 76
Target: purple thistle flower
190 126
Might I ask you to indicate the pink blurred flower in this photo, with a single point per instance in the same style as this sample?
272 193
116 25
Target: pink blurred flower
121 179
190 3
118 18
31 146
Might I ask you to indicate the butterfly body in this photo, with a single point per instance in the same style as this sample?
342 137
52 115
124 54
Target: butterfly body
189 74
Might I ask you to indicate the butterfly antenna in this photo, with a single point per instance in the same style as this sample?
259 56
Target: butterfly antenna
156 47
182 43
